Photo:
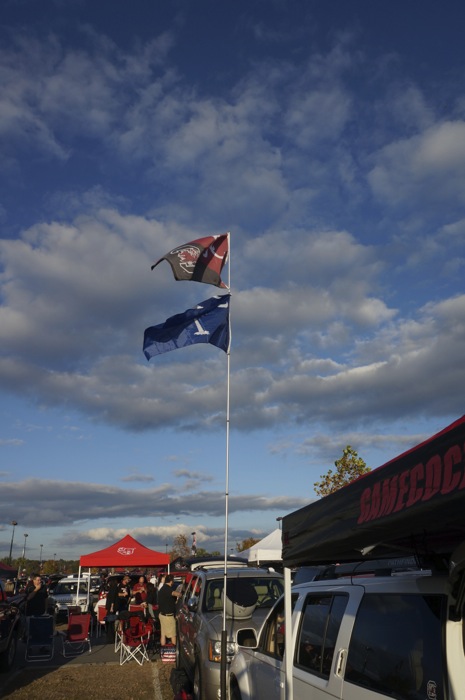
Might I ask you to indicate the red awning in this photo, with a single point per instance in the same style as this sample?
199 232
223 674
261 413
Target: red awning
128 553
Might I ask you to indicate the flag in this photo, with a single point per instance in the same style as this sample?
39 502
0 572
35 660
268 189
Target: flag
207 322
199 261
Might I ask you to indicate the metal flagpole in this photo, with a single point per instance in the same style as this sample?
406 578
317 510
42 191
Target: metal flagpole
226 494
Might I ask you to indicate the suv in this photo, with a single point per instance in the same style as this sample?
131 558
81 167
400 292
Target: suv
10 623
250 595
363 637
66 594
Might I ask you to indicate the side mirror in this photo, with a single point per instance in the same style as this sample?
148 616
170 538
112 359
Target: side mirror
192 604
247 638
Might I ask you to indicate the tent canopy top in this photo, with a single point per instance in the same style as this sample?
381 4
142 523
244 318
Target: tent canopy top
267 549
126 553
413 505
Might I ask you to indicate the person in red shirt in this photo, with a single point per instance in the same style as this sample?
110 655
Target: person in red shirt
139 590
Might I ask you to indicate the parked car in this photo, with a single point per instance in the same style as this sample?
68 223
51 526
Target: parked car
66 594
11 609
360 637
250 595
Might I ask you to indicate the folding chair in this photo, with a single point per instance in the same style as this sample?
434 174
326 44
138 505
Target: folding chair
134 607
77 637
101 615
39 642
134 640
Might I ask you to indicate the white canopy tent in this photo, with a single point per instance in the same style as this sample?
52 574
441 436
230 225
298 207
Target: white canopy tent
269 549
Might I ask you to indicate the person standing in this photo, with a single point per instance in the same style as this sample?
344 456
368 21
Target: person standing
167 608
112 608
36 596
151 599
139 590
124 593
36 593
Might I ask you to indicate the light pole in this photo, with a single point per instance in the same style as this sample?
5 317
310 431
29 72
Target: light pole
24 548
279 522
14 523
40 560
54 563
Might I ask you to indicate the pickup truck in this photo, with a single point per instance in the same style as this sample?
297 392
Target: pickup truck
11 610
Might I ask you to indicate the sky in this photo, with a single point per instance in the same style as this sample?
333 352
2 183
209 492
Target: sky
328 138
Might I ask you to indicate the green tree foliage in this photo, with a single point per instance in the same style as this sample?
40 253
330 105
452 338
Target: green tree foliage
245 544
348 468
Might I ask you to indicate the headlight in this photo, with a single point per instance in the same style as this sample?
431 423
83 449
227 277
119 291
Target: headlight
214 650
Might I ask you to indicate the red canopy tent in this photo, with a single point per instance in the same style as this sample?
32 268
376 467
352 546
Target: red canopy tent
7 571
127 554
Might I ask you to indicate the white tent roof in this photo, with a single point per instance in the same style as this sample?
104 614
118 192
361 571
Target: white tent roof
268 549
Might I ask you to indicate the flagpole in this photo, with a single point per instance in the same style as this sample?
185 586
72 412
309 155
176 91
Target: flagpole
226 493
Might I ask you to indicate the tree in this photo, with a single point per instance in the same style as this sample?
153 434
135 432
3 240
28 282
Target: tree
245 544
180 548
348 468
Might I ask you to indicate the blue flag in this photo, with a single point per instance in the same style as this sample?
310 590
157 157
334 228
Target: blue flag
207 322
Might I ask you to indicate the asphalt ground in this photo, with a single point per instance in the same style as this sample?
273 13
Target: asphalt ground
102 652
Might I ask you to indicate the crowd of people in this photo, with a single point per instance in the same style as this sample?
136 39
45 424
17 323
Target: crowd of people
157 599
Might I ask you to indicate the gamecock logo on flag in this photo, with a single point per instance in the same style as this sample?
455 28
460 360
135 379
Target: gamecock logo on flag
126 551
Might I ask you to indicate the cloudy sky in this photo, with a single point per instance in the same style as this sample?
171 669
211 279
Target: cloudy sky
329 138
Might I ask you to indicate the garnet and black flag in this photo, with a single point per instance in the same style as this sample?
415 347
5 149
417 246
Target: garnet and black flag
199 261
207 322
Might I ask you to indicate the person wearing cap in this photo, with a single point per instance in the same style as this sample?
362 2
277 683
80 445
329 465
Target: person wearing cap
167 608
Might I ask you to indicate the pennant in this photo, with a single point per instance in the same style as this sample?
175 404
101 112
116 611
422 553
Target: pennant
199 261
207 322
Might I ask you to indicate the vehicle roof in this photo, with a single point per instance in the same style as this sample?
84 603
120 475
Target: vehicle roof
421 581
237 573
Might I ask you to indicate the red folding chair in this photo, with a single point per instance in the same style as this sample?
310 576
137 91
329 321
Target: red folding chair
135 638
101 615
77 636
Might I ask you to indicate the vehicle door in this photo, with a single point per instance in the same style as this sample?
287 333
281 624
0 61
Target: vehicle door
188 619
267 667
396 647
321 641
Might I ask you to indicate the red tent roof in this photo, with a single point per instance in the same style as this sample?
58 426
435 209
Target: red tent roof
127 553
6 570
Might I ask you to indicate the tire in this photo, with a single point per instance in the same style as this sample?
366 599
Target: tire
235 693
197 685
7 658
178 653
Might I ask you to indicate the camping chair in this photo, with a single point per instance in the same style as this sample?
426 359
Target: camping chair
135 607
77 637
39 643
101 615
135 637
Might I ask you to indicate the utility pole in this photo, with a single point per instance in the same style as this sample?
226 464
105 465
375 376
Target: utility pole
14 523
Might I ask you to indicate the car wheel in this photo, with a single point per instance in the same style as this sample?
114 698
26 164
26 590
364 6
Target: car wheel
7 659
197 689
178 653
234 693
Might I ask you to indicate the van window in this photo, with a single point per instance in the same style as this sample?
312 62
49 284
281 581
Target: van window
272 638
316 642
396 646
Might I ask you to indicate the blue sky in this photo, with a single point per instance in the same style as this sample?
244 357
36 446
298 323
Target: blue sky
329 139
